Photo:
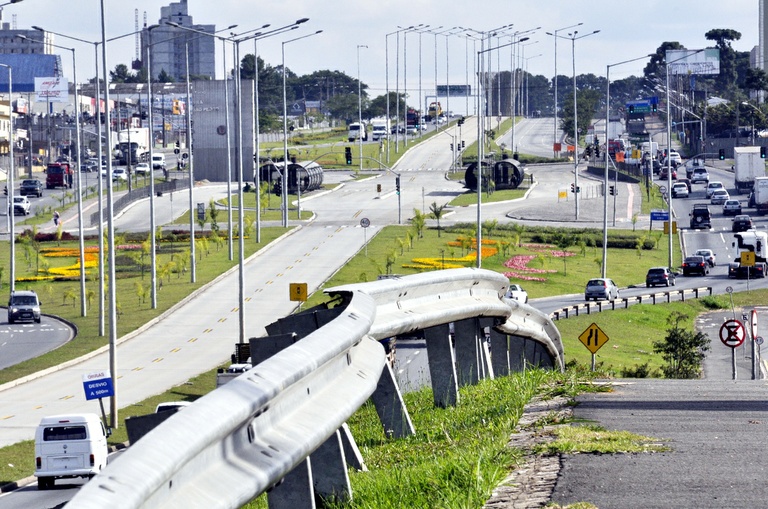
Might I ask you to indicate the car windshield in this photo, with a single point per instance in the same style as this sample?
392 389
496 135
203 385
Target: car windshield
24 300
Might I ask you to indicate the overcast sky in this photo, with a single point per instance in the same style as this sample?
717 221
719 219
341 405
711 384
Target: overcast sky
627 30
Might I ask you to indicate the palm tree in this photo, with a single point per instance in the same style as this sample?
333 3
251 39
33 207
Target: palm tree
437 213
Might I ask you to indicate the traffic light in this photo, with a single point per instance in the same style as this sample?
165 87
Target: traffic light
612 190
573 188
631 108
721 154
463 144
348 154
451 147
461 121
762 152
654 107
397 185
597 151
176 110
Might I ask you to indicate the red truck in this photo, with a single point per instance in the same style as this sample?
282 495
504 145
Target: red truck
58 175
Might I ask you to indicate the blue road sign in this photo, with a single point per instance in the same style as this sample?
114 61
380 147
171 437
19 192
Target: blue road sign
98 385
659 215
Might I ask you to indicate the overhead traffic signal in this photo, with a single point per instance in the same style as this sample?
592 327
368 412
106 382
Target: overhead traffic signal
348 154
654 107
762 152
573 188
451 147
612 190
721 154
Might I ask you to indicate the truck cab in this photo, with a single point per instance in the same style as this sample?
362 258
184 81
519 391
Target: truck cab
58 175
357 130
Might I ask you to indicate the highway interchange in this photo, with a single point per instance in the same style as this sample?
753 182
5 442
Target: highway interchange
200 334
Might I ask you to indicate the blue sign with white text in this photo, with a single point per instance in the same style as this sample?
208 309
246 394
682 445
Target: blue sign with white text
98 388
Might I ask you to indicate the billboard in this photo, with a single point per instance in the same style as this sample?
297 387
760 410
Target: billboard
686 61
55 90
454 90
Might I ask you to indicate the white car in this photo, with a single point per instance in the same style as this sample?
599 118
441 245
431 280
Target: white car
119 175
713 186
21 205
516 292
719 196
141 169
679 190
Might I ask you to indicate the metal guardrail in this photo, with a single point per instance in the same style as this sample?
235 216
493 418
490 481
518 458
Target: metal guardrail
279 427
654 298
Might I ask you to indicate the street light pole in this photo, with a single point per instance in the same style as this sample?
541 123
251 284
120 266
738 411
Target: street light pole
556 36
604 264
360 105
12 169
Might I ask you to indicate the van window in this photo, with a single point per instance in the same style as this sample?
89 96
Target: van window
53 433
24 300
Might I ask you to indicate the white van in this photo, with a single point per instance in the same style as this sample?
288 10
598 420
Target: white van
69 446
357 130
158 161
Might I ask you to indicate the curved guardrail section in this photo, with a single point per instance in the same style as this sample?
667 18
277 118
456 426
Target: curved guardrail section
279 427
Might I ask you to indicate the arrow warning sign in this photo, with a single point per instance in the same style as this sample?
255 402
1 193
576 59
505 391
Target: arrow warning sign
593 338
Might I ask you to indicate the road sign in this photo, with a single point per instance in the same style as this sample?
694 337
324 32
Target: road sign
747 259
732 333
759 340
365 222
593 338
98 384
659 215
753 323
298 292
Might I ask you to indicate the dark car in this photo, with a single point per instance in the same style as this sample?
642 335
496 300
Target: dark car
695 265
31 187
700 217
659 276
741 223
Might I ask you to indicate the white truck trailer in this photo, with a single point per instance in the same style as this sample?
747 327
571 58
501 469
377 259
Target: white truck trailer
748 166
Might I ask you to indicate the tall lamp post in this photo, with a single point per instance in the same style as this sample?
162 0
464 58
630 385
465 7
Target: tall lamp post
12 169
604 264
556 36
359 103
284 178
480 147
573 37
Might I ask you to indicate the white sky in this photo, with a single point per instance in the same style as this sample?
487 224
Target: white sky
627 30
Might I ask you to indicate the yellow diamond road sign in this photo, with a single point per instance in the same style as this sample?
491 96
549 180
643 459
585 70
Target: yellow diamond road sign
593 338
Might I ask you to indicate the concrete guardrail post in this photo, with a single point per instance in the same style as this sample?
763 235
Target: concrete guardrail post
442 366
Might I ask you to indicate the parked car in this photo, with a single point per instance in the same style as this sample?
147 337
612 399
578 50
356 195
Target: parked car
32 187
713 186
742 223
700 176
516 292
731 208
601 288
719 197
695 265
659 276
679 190
708 255
21 205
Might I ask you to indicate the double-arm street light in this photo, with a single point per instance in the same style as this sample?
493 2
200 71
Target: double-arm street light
573 37
604 264
480 149
554 143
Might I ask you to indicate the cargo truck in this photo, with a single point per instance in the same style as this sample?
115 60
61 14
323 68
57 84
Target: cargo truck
132 145
759 198
357 130
748 166
379 129
750 241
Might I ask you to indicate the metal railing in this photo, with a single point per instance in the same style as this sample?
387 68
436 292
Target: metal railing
139 194
279 427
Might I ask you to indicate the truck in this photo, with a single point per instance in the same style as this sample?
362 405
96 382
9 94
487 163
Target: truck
379 129
750 241
58 175
759 198
132 145
434 110
748 166
357 130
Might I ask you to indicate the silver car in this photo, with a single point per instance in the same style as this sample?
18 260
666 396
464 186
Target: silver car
601 288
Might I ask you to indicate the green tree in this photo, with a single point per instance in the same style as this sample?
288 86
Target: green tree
437 213
682 350
726 80
418 221
164 77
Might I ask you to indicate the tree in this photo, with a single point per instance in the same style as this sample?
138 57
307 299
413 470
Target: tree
164 77
682 350
418 221
343 107
121 74
377 107
437 213
726 80
587 102
755 80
